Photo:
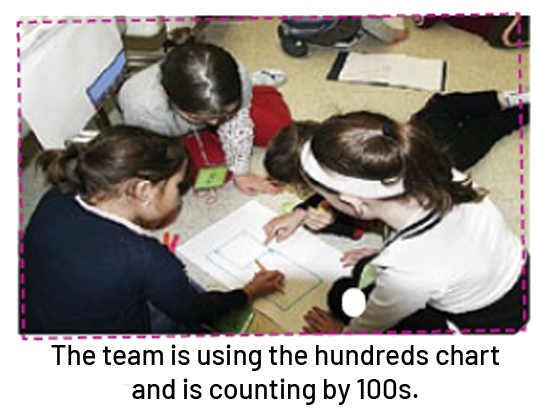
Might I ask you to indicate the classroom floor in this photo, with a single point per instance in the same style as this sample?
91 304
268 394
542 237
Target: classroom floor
472 66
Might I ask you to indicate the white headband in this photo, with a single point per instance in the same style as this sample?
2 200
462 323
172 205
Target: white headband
364 188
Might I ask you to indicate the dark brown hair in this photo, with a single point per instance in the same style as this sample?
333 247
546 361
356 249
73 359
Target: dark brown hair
282 159
200 78
97 168
372 146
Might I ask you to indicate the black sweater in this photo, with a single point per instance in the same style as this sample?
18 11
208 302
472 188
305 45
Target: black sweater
87 274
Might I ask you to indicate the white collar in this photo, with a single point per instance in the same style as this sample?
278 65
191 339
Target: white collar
112 217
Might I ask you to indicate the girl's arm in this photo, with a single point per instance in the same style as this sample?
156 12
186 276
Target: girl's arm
169 288
330 221
237 138
237 134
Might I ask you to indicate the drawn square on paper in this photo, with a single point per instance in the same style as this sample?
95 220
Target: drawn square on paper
236 258
242 250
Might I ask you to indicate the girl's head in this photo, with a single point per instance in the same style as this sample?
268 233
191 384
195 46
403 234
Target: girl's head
370 156
282 159
145 170
202 82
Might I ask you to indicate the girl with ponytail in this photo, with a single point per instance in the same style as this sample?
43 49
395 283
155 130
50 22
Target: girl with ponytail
450 256
90 266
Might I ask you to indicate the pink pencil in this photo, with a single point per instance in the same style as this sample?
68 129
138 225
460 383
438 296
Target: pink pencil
175 242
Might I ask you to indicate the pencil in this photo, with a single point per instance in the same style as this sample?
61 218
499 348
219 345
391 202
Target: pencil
166 238
260 265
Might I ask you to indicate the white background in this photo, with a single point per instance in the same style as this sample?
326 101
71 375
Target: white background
31 382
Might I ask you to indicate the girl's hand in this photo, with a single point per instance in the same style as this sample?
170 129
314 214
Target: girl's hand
351 257
282 227
263 283
319 218
253 185
318 320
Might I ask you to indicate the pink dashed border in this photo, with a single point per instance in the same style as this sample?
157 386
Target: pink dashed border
522 193
243 18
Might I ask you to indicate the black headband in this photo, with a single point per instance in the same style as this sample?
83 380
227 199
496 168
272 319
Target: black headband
388 130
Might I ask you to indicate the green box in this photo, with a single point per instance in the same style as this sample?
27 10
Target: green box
211 177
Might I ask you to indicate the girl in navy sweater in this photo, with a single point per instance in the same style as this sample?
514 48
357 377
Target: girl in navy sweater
90 267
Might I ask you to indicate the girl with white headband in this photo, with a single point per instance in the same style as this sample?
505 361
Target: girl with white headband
466 124
451 256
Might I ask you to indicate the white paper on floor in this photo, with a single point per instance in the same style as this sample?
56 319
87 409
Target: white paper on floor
227 250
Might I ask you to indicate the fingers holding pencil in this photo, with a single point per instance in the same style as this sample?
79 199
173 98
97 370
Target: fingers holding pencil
260 265
275 275
275 279
264 282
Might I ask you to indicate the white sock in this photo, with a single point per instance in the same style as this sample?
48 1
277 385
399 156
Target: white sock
512 98
268 76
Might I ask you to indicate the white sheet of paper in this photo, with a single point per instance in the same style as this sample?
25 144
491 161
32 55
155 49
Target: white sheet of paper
227 250
394 70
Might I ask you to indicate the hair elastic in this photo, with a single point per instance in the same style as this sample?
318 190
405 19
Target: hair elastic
388 130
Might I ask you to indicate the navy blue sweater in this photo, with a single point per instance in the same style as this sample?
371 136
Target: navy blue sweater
87 274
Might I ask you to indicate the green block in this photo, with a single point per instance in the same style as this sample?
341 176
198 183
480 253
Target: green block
212 177
236 322
368 276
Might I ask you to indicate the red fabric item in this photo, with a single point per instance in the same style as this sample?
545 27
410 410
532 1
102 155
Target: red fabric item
498 31
481 25
358 233
269 113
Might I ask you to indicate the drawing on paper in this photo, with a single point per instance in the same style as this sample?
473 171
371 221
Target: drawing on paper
236 258
226 250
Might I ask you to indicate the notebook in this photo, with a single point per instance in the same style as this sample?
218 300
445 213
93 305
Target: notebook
392 70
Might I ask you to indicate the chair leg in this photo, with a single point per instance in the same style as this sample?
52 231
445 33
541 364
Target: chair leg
102 119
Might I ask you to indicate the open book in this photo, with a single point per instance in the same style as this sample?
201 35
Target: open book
389 70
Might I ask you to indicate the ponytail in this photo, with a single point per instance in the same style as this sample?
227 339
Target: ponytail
99 167
429 173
